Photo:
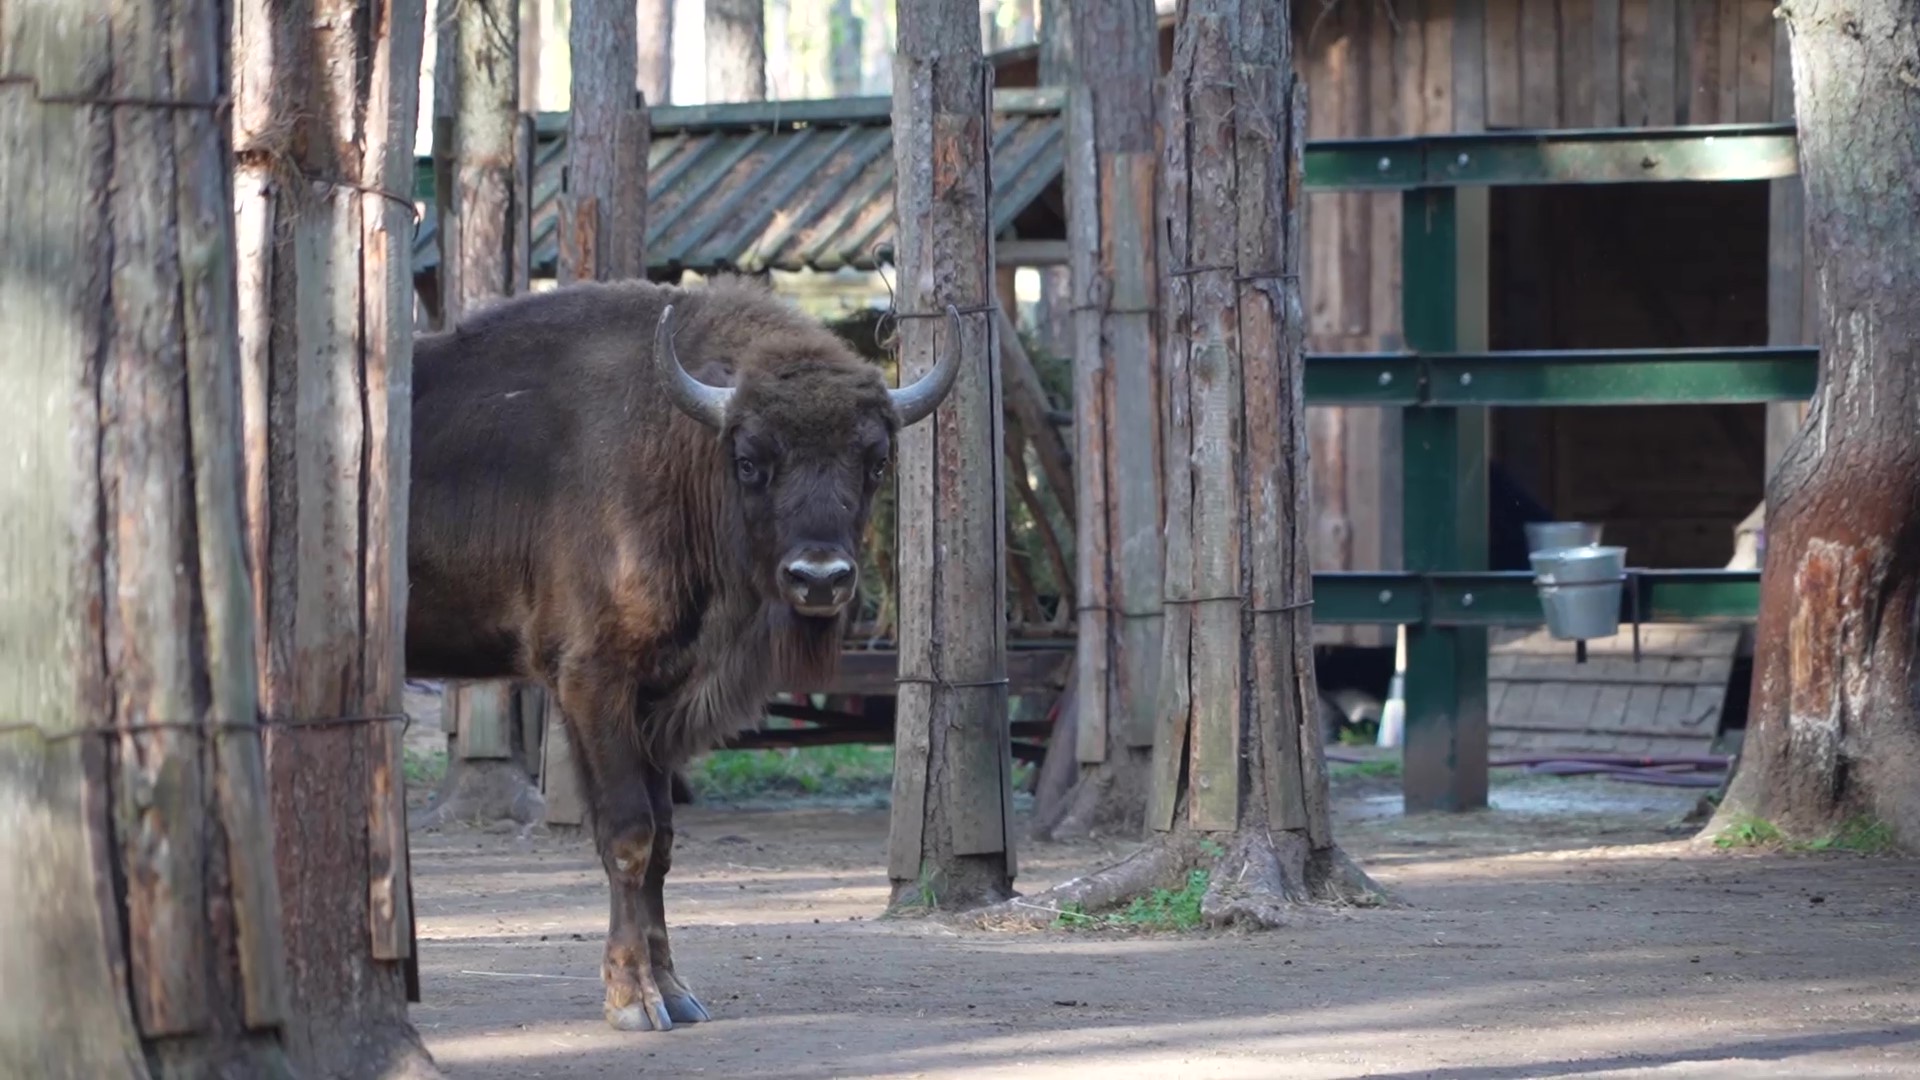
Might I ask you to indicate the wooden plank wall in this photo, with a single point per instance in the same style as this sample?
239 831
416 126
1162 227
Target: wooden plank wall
1405 67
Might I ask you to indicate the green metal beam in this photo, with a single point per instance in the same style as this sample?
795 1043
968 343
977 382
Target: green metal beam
1565 377
1509 597
1385 379
1444 484
1709 152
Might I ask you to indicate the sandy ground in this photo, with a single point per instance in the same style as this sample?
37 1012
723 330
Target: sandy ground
1570 931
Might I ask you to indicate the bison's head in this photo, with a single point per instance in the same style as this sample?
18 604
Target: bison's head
809 438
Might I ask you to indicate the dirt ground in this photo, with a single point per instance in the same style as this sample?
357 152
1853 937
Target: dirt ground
1569 931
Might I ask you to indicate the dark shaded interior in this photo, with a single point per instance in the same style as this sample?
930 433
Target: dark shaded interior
1659 265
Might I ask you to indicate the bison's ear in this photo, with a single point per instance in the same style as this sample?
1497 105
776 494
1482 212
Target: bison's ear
707 404
915 403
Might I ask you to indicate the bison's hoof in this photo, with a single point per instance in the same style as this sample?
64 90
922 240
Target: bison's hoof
640 1017
686 1009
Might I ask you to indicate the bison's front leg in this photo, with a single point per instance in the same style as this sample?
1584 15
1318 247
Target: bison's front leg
682 1005
626 834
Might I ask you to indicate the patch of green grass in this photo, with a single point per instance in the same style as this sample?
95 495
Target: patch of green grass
1748 832
1862 835
923 900
833 771
1386 768
1364 733
423 769
1162 909
1023 774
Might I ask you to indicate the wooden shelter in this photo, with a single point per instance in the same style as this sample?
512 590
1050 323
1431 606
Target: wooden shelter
787 185
808 186
1619 266
1610 266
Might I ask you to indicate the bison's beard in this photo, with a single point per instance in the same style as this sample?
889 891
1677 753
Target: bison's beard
806 649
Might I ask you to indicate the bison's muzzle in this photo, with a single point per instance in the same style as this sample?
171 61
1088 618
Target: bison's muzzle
818 584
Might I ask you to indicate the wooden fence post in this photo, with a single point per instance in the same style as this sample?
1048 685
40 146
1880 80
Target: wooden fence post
486 238
951 843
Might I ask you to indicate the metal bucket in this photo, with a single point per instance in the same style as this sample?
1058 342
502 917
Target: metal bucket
1553 535
1580 589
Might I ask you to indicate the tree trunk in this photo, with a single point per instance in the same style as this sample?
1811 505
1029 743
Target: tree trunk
951 844
1833 737
485 235
485 219
530 26
602 227
139 918
880 39
324 104
1056 40
446 102
736 50
1053 314
603 213
847 34
1110 194
654 22
1239 785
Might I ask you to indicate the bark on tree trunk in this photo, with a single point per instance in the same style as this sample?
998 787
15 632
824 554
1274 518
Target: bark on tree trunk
1056 37
736 50
847 42
485 235
602 224
446 102
603 213
1239 780
139 918
484 219
1110 193
654 22
952 842
1833 738
1053 315
325 99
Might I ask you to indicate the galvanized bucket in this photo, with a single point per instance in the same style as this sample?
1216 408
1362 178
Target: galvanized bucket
1580 589
1552 535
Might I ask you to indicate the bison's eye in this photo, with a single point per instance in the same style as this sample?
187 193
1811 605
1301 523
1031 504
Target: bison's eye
878 470
748 472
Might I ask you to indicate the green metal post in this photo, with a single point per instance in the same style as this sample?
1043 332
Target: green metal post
1444 462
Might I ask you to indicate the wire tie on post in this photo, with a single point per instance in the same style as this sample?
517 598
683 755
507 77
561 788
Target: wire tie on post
199 727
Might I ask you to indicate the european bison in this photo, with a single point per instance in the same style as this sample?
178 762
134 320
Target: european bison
661 545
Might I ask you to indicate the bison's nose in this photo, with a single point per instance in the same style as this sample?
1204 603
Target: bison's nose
819 586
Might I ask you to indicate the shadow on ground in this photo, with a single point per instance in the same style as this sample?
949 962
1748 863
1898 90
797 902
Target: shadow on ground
1570 931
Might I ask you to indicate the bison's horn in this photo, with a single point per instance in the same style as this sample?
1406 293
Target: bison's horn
707 404
914 403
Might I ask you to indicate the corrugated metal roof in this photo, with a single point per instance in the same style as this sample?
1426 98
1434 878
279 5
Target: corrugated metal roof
777 185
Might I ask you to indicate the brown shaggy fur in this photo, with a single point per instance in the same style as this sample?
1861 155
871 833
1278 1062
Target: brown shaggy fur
568 523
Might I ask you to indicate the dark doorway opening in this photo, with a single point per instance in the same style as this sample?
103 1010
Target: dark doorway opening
1629 266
